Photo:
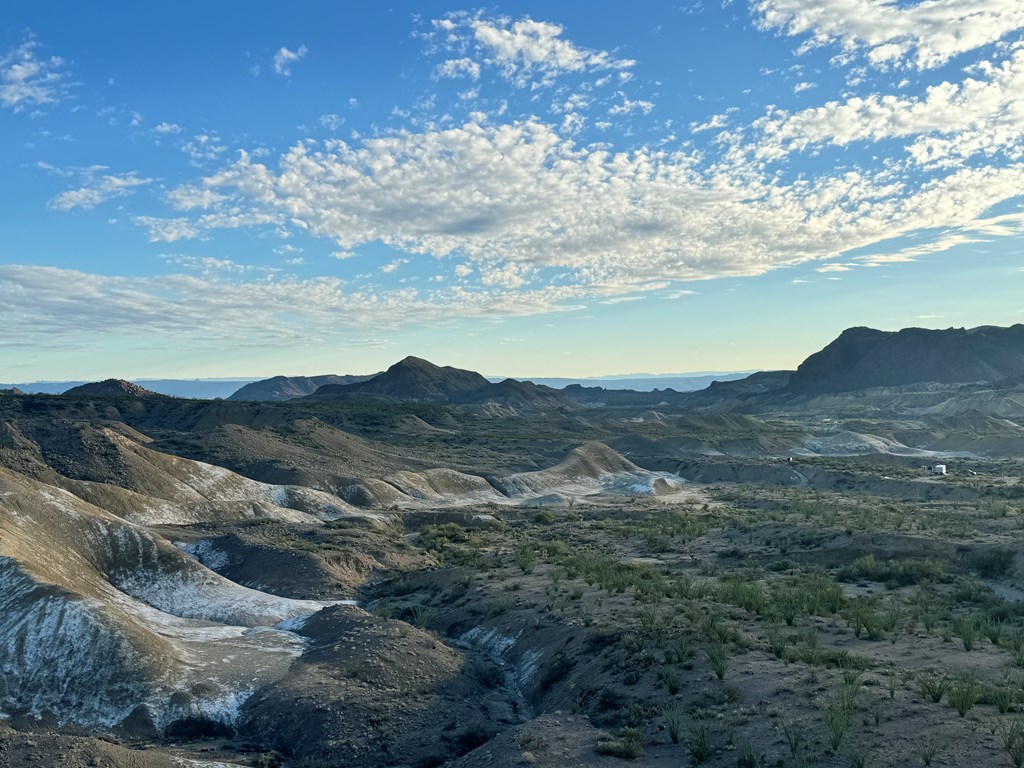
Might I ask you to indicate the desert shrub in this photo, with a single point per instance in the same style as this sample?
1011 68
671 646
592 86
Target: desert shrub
932 687
967 629
1011 738
789 604
1001 696
991 562
437 538
743 594
964 693
795 733
675 722
672 680
746 757
614 576
525 558
892 573
838 716
718 655
700 739
862 614
629 745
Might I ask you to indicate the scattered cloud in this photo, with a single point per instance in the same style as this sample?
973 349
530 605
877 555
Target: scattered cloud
513 199
949 123
525 52
97 188
713 123
26 80
628 106
166 128
889 34
284 59
332 122
455 68
392 266
204 148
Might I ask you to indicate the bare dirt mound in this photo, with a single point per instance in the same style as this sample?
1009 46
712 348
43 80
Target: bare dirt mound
33 750
101 620
444 485
373 692
324 562
589 469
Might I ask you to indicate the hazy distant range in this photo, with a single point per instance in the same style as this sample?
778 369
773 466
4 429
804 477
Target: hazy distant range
208 389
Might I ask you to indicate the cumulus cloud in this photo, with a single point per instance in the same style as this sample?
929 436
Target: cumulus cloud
166 128
284 59
922 35
518 198
524 52
627 106
949 122
97 188
203 148
26 80
453 68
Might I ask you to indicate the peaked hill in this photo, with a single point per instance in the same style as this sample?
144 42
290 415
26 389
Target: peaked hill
415 379
288 387
111 388
411 379
862 358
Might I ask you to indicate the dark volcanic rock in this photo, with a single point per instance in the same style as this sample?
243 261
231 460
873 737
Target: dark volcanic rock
864 357
415 379
289 387
111 388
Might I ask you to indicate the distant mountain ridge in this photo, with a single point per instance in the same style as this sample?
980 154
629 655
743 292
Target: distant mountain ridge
863 358
280 388
416 379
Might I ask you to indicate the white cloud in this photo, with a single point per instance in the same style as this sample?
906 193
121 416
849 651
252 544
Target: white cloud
332 122
629 106
203 148
516 198
803 86
524 52
166 128
97 188
949 122
392 266
187 197
168 230
29 81
48 306
208 265
713 123
454 68
284 59
463 270
923 34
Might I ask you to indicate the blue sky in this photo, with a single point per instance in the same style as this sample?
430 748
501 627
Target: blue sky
523 188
